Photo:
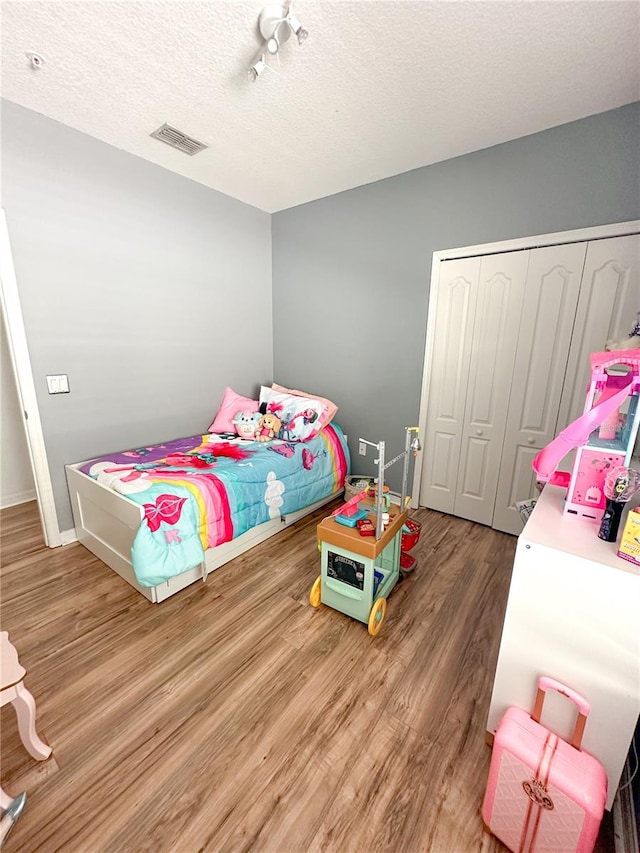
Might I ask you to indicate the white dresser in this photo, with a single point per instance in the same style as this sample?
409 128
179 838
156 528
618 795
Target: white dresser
573 613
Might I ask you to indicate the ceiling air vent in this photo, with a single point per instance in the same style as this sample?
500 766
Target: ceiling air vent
177 139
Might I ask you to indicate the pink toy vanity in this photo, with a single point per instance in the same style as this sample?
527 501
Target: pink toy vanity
12 690
603 436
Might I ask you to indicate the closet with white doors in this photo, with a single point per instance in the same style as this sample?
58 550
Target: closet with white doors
509 365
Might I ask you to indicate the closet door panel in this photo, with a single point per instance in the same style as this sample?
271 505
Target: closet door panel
449 374
553 285
495 337
607 308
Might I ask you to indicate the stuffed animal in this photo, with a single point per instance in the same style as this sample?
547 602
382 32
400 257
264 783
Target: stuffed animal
269 426
631 342
246 424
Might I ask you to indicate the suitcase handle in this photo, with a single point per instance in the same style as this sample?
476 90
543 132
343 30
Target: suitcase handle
545 683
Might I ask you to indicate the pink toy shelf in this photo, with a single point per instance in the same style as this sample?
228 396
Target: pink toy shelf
603 436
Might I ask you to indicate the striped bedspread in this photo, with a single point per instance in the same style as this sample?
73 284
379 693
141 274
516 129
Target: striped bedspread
200 491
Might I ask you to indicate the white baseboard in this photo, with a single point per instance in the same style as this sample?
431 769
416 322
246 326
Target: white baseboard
68 536
17 498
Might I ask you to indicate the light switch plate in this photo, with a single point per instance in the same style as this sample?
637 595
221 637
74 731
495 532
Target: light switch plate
58 384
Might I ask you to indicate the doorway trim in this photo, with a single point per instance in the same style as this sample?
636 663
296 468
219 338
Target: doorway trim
579 235
21 362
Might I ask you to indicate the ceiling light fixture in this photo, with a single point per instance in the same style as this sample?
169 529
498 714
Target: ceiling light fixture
276 23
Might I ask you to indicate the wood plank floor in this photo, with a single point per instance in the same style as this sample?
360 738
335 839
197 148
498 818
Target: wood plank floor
235 717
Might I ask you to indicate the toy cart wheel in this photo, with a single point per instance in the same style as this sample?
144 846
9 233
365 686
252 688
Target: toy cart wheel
314 595
376 617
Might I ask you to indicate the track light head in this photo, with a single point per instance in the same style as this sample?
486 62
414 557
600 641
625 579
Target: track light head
273 45
297 28
257 68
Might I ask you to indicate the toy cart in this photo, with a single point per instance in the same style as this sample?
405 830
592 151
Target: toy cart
357 573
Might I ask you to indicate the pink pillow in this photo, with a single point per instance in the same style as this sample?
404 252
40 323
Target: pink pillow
329 408
231 404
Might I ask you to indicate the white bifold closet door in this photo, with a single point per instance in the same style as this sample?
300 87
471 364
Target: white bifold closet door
501 289
510 366
477 316
608 304
449 376
546 327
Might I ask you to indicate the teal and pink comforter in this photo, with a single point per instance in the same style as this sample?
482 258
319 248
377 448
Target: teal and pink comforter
200 491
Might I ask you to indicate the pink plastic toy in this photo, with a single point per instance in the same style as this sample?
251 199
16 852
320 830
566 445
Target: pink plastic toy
598 449
351 506
544 793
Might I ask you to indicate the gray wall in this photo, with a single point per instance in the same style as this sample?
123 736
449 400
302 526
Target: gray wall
150 291
153 292
351 272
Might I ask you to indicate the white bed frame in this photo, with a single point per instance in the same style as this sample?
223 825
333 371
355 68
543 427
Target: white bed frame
106 523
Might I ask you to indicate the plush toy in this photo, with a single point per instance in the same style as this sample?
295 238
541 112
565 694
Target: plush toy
631 342
246 424
269 426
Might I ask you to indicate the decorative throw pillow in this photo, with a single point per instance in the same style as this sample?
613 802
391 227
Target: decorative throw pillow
231 404
330 408
300 416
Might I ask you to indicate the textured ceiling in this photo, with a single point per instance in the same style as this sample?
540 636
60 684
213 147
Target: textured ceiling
379 87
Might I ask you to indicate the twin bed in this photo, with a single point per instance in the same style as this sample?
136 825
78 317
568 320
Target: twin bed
165 516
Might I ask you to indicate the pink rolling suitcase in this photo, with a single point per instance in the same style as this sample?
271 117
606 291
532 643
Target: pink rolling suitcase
544 795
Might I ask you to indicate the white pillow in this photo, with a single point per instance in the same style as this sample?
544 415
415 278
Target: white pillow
301 417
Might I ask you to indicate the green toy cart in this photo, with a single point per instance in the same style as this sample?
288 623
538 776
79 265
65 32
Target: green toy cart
357 573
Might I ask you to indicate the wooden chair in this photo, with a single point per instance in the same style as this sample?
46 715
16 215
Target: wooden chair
12 690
